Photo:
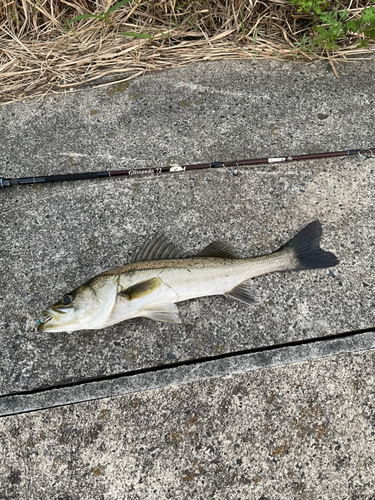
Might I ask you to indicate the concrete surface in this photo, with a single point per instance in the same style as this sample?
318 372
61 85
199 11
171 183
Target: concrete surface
55 237
236 402
303 431
184 373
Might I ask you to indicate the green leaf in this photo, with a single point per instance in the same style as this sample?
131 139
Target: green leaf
14 17
368 15
69 27
138 35
117 6
363 43
370 33
314 6
86 16
353 25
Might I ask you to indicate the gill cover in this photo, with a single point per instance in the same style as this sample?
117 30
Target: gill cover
86 307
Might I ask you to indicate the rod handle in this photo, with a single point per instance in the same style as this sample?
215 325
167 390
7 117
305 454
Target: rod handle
4 182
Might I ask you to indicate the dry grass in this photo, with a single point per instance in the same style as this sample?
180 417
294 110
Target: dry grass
40 54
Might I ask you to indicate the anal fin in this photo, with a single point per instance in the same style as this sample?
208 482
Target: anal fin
243 292
166 313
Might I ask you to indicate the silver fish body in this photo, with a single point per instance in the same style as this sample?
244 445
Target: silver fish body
150 285
185 279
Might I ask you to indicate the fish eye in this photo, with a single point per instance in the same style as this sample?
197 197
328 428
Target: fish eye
67 299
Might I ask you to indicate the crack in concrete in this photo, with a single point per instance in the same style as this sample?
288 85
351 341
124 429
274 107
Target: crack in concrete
187 371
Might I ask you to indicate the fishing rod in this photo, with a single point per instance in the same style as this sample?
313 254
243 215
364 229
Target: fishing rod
230 166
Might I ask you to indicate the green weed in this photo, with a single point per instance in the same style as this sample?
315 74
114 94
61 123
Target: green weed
104 16
15 18
137 35
364 26
306 44
332 26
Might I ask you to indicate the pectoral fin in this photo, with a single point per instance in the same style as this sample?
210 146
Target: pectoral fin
140 289
167 313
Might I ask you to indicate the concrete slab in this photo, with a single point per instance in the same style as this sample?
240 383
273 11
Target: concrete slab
56 236
303 431
184 373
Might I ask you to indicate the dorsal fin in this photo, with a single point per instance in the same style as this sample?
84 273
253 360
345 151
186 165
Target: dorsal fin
157 248
219 250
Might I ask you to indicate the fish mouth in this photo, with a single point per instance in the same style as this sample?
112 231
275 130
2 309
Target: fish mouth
50 317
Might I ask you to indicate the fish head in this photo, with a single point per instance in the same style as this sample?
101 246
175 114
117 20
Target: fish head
85 308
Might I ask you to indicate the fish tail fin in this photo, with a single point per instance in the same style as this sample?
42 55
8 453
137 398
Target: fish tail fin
307 250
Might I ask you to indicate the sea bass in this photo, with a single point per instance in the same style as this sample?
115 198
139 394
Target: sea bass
159 275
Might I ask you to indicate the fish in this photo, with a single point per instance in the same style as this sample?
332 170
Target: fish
159 275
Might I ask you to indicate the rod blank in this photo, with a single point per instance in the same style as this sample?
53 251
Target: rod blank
140 172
